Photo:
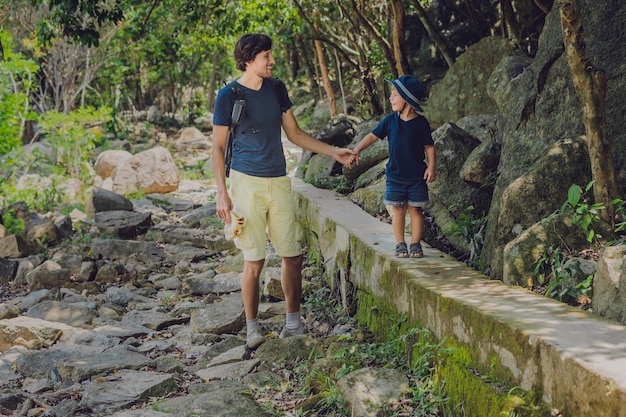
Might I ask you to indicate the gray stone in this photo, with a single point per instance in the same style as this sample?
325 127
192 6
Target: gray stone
123 224
105 200
34 297
370 391
73 314
121 250
223 316
234 371
609 284
154 319
125 388
80 368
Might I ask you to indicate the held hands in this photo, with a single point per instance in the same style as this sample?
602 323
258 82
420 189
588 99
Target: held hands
346 156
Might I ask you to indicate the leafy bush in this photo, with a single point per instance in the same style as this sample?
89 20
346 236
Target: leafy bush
471 229
584 213
74 137
16 82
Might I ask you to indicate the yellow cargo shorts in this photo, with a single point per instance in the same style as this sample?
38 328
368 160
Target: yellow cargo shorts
269 209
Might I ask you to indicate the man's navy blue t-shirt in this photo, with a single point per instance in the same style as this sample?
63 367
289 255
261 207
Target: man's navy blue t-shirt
257 146
406 146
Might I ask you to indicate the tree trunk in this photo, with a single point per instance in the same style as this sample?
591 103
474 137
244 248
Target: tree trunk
590 85
509 22
323 66
309 67
399 43
438 41
371 29
328 88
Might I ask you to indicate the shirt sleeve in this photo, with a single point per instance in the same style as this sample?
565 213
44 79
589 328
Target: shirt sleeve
221 109
283 96
382 130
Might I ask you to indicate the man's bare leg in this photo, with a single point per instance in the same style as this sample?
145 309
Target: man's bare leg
291 281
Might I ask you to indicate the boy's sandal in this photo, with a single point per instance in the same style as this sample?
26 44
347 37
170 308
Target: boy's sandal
401 250
416 250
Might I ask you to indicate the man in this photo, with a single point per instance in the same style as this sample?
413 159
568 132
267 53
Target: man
259 187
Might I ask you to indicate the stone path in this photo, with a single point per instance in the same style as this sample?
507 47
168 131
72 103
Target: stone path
158 329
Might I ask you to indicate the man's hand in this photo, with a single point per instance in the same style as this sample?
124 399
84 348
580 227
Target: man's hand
223 207
345 156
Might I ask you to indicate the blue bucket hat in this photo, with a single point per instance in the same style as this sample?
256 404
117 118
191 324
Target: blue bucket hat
410 89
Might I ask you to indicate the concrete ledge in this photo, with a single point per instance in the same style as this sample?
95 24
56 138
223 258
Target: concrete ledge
569 359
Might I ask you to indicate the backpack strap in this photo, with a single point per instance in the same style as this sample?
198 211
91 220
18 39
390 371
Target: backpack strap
280 91
236 95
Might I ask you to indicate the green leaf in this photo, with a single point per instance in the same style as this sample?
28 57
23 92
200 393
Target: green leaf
573 195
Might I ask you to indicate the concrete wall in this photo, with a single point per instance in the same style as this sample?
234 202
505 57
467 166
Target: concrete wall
512 349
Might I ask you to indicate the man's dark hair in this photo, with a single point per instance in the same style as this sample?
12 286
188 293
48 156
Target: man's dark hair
248 46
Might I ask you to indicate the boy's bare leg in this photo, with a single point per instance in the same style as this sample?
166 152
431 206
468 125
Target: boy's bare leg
417 224
398 222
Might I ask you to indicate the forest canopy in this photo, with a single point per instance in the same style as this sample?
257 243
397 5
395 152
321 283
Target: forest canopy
62 55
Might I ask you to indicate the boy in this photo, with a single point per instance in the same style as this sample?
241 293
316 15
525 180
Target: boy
407 175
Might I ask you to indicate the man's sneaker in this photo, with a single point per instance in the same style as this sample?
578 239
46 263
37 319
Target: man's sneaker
288 333
254 339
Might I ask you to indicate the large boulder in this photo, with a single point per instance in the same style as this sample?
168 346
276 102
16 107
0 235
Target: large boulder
151 171
542 109
108 160
463 90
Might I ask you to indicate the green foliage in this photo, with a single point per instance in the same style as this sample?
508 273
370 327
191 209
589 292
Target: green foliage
16 82
324 307
584 214
73 137
562 275
36 197
14 225
620 214
338 184
471 229
81 21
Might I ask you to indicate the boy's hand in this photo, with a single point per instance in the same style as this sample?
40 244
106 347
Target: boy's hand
430 175
345 156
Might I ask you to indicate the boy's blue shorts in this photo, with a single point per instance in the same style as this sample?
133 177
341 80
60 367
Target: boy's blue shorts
399 193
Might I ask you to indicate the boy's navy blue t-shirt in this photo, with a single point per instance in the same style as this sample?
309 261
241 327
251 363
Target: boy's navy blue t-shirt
257 146
406 146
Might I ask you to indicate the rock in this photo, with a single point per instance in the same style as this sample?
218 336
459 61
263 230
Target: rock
13 246
609 284
8 269
108 160
536 194
150 171
191 138
81 367
73 314
29 332
47 275
234 371
125 388
369 391
105 200
223 316
450 99
272 286
123 224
